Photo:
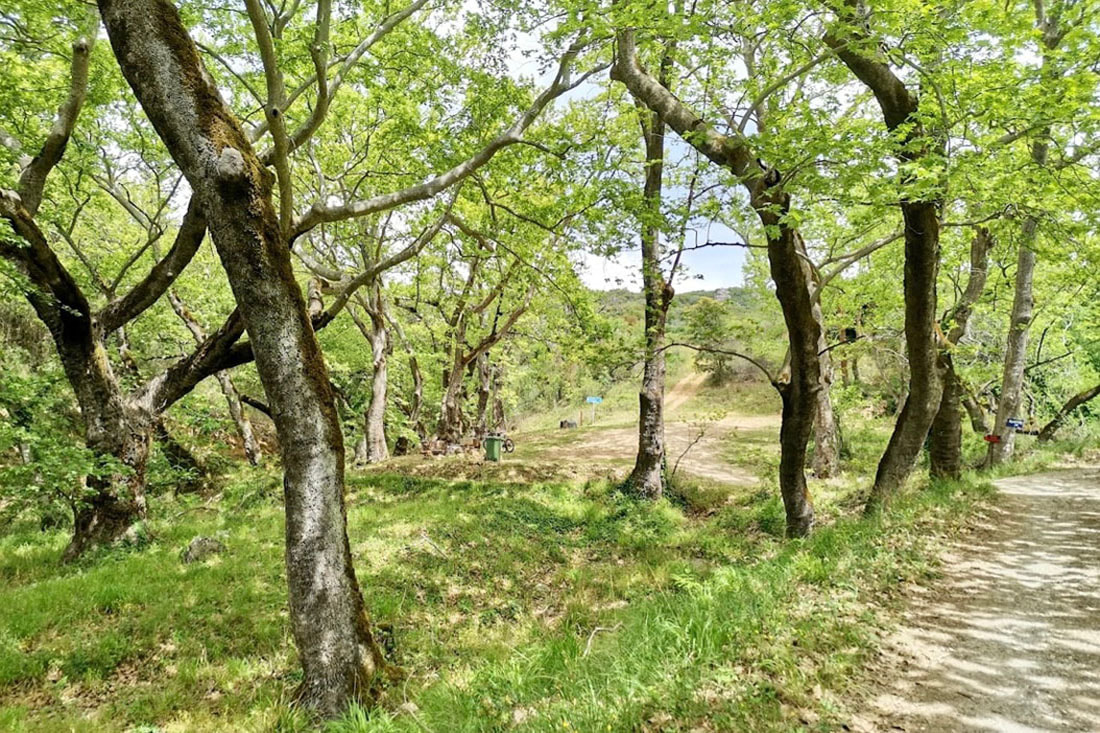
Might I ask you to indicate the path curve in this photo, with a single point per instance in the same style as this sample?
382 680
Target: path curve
1009 639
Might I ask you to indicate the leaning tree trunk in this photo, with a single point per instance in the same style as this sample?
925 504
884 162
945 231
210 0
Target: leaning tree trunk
1048 431
327 613
647 478
252 450
945 436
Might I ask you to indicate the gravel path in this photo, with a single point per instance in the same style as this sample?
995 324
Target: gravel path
1009 640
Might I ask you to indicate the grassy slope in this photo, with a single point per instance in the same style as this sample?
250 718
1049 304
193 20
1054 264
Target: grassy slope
493 593
542 605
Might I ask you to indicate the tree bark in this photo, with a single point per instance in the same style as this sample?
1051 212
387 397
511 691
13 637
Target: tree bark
252 450
1048 431
1023 303
373 447
945 436
826 462
647 478
328 616
484 394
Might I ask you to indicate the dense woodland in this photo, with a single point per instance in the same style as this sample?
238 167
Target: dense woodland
281 241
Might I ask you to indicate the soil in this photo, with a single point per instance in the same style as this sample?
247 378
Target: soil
699 442
1009 641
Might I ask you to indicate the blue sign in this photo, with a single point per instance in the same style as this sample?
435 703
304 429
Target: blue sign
592 400
1014 422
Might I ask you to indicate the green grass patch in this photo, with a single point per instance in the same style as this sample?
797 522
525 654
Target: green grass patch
526 606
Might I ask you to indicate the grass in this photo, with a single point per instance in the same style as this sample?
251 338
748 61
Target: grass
526 606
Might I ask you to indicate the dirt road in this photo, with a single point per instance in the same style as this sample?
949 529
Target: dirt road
700 443
1009 640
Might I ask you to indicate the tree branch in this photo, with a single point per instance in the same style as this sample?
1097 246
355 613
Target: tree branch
33 179
321 213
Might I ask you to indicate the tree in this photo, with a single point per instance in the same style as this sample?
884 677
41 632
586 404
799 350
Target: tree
790 269
945 436
920 210
162 65
647 477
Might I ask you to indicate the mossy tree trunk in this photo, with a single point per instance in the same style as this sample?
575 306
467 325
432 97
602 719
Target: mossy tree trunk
327 613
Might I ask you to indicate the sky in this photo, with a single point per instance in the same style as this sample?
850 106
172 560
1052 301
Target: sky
704 269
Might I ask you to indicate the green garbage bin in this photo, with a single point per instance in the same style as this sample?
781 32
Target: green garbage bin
492 447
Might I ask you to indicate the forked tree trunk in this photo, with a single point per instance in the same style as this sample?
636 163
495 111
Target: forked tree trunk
1048 431
647 478
945 436
327 613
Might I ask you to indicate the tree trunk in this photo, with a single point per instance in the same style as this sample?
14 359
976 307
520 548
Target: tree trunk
484 393
374 428
647 478
792 277
945 437
978 420
252 450
372 447
1012 376
922 256
826 461
450 414
1048 431
900 113
789 270
328 616
115 501
1023 302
